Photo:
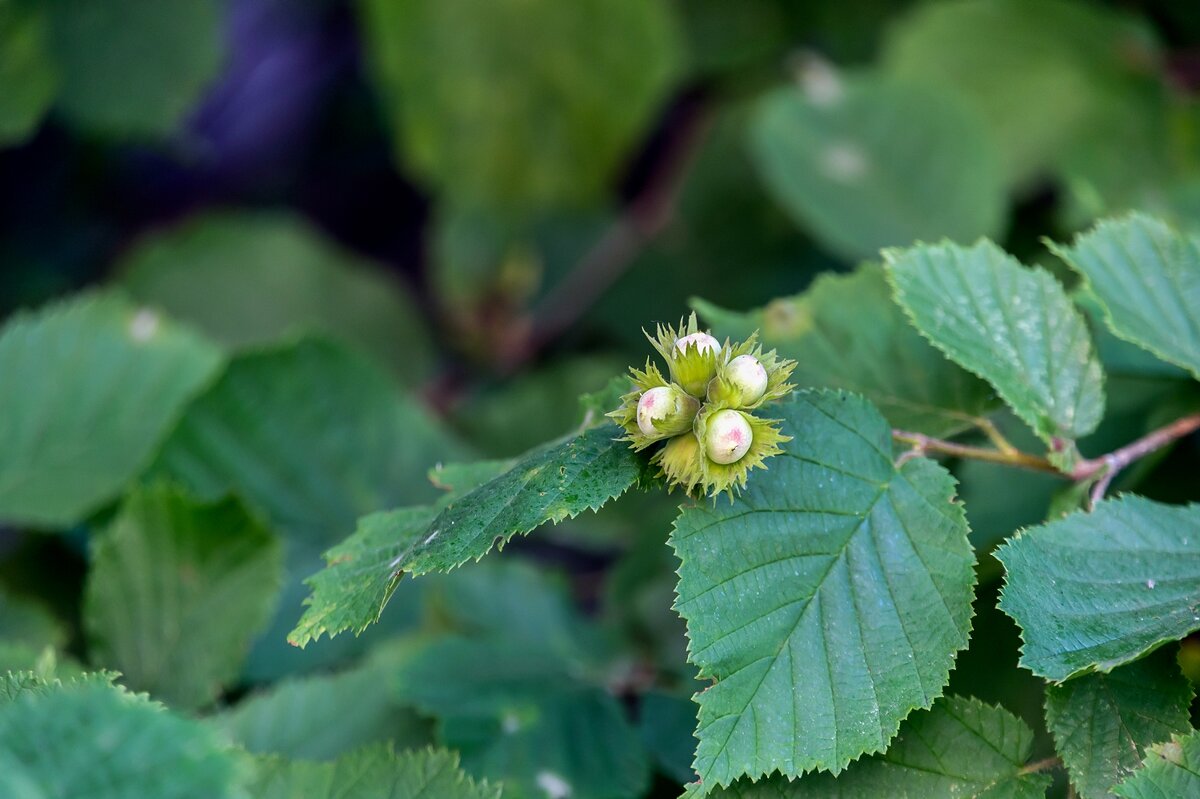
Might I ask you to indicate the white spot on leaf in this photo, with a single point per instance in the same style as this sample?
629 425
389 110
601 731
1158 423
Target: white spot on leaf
143 325
844 162
553 785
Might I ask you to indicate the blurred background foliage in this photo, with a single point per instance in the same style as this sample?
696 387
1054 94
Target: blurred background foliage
395 233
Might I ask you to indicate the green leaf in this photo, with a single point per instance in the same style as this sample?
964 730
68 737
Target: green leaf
846 332
26 72
97 741
91 387
311 436
870 162
133 67
1095 590
322 717
1146 277
1171 770
177 591
962 748
548 484
1103 723
372 773
250 278
15 684
519 103
827 601
29 622
666 723
1011 325
551 483
1039 72
520 690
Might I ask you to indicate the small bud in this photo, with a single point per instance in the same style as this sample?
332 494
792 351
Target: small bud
665 411
747 380
728 437
703 342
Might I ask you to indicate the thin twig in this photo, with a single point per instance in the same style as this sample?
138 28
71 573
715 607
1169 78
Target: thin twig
1118 459
1041 765
922 444
618 248
1102 469
994 435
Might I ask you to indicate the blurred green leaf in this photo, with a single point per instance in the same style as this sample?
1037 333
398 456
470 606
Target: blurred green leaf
97 741
15 684
666 723
519 691
133 67
311 436
375 772
773 585
27 74
847 332
864 162
1040 72
1103 723
92 384
250 278
541 404
322 717
29 622
961 748
727 240
514 104
1012 325
205 577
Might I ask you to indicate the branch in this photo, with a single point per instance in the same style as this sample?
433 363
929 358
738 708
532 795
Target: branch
1102 469
1041 765
644 218
922 444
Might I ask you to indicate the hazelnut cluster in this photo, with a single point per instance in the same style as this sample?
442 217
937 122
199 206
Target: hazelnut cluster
705 412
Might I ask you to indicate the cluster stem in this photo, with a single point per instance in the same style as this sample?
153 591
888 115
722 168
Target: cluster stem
1101 470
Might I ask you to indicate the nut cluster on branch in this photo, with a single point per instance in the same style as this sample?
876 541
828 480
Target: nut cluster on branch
703 412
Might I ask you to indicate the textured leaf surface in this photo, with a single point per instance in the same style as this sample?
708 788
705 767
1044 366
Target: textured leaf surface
776 588
1011 325
91 386
519 102
549 484
846 332
1146 277
1103 723
372 773
960 749
133 67
1172 770
1095 590
360 575
250 278
519 689
311 436
96 741
319 718
26 72
176 593
852 163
